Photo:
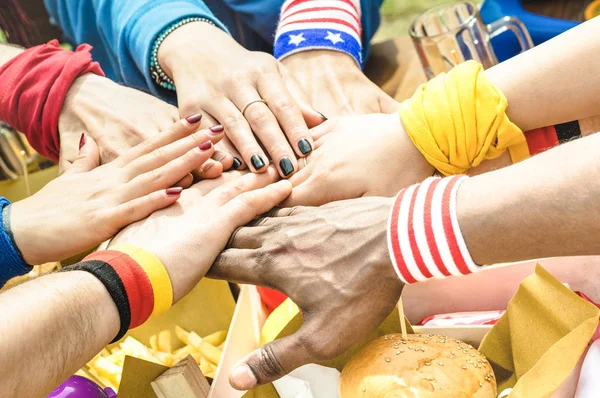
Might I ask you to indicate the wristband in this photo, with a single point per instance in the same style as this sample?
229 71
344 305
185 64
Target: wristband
137 284
319 25
542 139
158 74
157 274
12 262
34 87
110 279
458 119
424 237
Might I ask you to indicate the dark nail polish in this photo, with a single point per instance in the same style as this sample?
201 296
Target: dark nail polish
257 162
173 191
320 114
82 140
236 164
205 146
286 166
217 129
304 146
194 118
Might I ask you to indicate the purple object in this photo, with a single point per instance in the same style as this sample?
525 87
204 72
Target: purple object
80 387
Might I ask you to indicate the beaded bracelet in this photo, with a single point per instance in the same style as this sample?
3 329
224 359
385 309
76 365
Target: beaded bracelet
158 74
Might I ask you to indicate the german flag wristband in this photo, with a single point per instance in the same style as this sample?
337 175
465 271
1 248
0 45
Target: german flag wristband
424 237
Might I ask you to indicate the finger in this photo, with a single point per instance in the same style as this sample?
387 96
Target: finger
238 161
323 129
206 186
239 266
165 154
176 131
302 175
88 158
306 194
387 104
209 170
169 174
312 118
276 359
240 134
141 207
223 157
248 182
185 182
288 113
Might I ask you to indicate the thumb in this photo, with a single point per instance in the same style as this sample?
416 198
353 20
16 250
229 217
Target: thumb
274 360
88 157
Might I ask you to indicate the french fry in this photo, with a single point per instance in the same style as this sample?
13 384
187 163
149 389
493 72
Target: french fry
182 335
210 375
164 341
103 380
104 352
154 342
183 352
109 370
205 369
165 358
217 338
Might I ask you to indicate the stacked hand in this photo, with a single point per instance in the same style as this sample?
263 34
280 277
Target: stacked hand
333 262
232 80
89 204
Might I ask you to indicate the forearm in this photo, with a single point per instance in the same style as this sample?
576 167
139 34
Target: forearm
51 327
544 89
543 207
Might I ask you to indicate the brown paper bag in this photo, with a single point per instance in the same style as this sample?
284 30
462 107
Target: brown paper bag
541 337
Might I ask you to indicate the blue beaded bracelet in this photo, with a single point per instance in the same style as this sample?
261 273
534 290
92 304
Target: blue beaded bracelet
158 74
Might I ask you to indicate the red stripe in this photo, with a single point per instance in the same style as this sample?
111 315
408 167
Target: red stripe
137 284
411 237
401 265
449 229
542 139
328 20
429 235
294 3
322 9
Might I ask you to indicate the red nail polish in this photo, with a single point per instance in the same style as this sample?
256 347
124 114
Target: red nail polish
174 191
82 140
217 129
205 146
194 118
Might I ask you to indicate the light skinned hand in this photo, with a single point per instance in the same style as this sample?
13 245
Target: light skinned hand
188 236
334 84
333 262
89 203
223 82
369 155
119 118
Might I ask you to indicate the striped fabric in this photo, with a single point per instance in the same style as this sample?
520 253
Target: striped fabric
424 237
319 24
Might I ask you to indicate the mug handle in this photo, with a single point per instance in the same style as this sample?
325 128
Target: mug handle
514 25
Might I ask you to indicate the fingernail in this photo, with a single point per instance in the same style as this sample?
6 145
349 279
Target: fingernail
82 140
257 162
286 166
242 377
216 129
205 146
194 118
304 146
320 114
236 164
173 191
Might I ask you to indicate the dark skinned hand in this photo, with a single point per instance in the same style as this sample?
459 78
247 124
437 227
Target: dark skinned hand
333 262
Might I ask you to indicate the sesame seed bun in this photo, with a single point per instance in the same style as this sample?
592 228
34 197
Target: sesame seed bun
424 366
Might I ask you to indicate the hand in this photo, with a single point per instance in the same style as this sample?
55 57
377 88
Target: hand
118 118
188 236
333 262
217 76
88 204
358 156
335 86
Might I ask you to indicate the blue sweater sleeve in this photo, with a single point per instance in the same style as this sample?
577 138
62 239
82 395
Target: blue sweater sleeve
123 31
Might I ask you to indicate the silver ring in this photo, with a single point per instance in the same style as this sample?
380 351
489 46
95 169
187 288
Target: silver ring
253 102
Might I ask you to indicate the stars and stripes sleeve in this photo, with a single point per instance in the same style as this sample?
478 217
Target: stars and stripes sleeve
319 25
424 237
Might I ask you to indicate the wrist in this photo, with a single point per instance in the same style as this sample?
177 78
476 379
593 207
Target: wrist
381 253
22 233
406 147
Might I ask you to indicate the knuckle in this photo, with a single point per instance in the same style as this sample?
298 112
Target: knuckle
259 114
283 103
154 175
319 349
232 121
267 365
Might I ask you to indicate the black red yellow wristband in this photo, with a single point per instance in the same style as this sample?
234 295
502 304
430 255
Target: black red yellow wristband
136 280
544 138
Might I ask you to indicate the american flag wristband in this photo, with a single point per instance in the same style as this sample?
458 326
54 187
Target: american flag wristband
319 25
424 237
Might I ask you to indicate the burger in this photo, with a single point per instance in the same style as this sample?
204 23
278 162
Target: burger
422 366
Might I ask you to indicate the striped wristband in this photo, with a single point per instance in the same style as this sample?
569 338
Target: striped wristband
424 237
319 25
542 139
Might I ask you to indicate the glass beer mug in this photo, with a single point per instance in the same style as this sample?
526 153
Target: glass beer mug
450 34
